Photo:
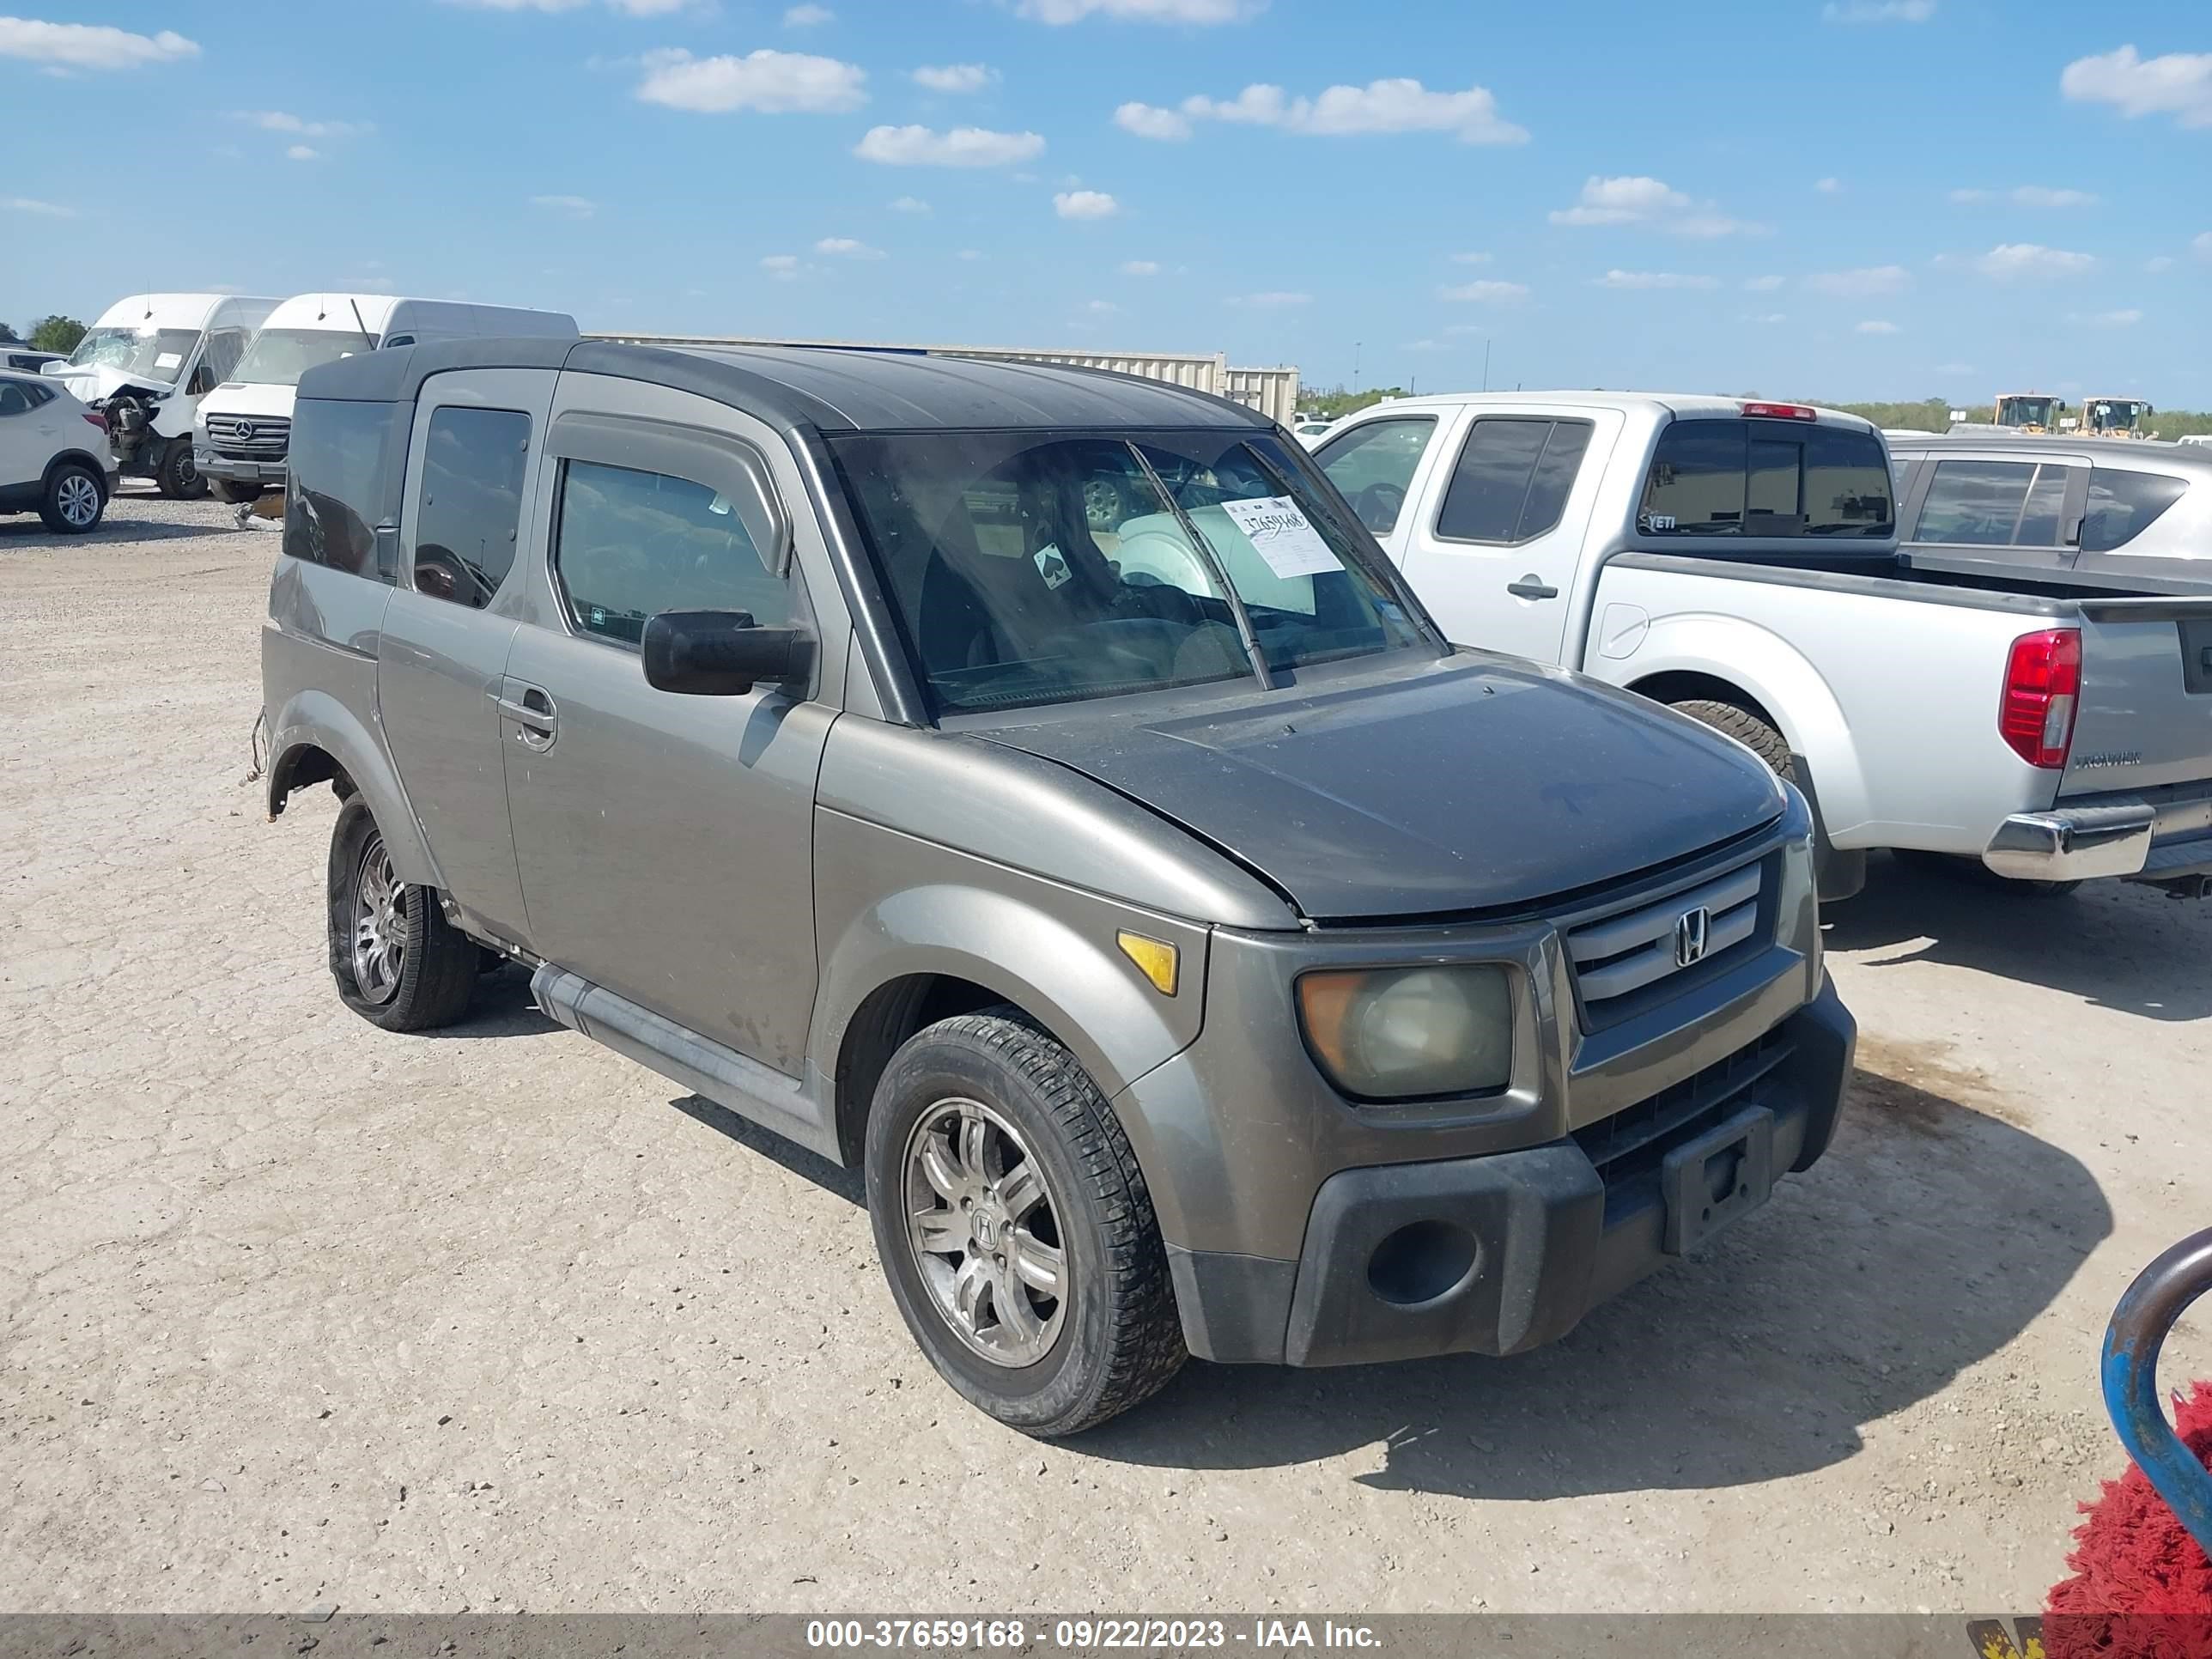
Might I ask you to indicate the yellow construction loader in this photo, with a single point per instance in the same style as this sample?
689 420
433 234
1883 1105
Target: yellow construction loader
2028 411
2115 418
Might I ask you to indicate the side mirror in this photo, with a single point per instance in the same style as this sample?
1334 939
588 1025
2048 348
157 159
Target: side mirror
721 654
202 383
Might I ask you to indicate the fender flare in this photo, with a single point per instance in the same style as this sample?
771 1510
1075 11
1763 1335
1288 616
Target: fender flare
1782 680
315 720
102 465
1068 979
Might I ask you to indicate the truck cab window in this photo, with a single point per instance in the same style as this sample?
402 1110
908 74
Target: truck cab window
1513 479
632 544
472 503
1373 466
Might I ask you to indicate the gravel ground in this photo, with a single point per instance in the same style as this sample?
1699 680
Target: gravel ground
298 1312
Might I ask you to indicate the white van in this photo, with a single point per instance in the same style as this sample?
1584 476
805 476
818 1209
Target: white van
147 363
246 425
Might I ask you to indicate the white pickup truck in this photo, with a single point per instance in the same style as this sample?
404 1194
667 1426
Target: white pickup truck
1739 560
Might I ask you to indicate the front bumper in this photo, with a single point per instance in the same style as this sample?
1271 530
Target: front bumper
2157 835
235 469
1502 1252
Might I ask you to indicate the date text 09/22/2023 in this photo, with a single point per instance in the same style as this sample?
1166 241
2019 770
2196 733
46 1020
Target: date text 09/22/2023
1261 1635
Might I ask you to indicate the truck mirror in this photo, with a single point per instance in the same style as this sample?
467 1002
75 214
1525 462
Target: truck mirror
721 654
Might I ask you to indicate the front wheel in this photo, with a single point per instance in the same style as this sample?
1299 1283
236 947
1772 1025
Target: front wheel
75 497
398 962
1016 1229
177 477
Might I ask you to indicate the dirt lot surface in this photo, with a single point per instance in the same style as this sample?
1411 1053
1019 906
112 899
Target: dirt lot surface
298 1312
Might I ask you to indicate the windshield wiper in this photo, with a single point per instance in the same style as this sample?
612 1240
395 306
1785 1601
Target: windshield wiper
1215 569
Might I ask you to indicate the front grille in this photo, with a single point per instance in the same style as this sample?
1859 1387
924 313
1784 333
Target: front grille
255 437
1625 962
1634 1141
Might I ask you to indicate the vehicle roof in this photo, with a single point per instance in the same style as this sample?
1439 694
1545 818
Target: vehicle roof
829 389
379 311
172 310
1681 405
2142 454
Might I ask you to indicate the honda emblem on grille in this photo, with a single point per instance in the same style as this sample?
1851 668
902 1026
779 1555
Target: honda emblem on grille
1692 929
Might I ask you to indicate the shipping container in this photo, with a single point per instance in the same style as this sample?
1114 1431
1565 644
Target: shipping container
1273 391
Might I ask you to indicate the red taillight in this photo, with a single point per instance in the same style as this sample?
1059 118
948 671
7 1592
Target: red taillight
2043 685
1782 412
100 420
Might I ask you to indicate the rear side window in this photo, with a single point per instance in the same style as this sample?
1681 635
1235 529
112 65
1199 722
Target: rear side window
1373 466
2123 505
471 505
15 399
1770 479
1994 504
632 544
344 462
1513 479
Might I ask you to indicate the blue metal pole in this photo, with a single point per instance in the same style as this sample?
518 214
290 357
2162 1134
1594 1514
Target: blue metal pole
2148 1310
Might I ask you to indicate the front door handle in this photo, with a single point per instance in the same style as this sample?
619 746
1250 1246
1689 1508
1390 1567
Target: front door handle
535 717
1531 587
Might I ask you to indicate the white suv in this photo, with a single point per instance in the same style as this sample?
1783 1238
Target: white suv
54 458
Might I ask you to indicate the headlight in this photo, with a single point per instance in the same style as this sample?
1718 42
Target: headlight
1401 1033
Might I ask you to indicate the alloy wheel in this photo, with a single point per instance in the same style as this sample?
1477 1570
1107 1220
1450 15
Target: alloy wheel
984 1232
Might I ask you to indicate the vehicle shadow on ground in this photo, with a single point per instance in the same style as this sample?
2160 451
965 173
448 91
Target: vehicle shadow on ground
848 1184
31 532
2112 944
1927 1238
503 1007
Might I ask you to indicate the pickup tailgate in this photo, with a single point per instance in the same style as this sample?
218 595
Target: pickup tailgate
2145 720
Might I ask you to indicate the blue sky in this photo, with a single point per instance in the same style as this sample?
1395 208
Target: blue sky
1840 199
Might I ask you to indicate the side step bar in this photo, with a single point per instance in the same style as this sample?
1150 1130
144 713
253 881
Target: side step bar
701 1065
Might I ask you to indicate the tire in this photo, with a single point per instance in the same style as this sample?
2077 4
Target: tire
416 970
177 477
1746 728
1957 867
1110 1337
234 495
75 499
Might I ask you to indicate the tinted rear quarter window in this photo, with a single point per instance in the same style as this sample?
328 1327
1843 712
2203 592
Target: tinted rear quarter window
2123 505
472 506
345 462
1513 480
1975 503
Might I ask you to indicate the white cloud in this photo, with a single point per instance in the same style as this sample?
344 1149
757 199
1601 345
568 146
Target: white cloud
89 46
1878 11
2201 245
304 152
1858 284
2162 264
1085 204
1829 186
278 120
25 204
1637 200
1101 308
1470 259
649 8
1762 284
2009 260
808 17
2127 318
628 8
1485 293
963 147
971 254
909 204
1273 299
577 207
1140 268
1876 326
1767 319
1201 12
784 267
955 77
2178 84
1401 104
2029 196
847 248
1653 279
773 82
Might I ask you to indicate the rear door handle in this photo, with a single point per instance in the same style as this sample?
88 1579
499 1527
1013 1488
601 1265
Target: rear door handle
1531 587
534 715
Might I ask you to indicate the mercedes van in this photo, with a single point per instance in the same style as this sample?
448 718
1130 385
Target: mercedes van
146 364
244 427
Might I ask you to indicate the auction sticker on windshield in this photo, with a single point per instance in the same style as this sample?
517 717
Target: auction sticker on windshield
1283 536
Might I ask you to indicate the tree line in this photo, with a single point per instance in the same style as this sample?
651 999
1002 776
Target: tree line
53 333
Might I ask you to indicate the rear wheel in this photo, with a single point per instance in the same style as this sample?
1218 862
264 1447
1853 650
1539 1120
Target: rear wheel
179 475
75 499
1015 1228
398 962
